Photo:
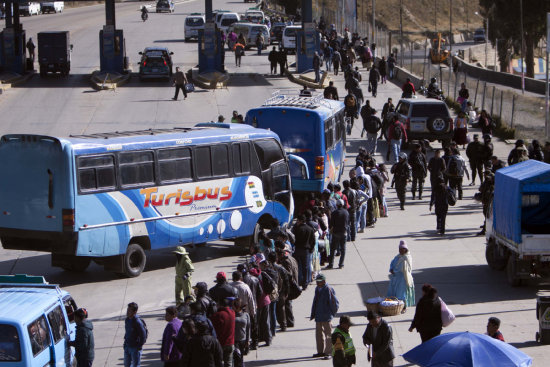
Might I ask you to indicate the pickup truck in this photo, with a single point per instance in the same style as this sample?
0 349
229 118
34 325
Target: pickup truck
518 222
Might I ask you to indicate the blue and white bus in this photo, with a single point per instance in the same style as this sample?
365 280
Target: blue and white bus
108 197
311 127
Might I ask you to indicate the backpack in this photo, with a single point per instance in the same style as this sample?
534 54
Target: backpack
452 167
372 125
397 132
451 196
139 319
268 284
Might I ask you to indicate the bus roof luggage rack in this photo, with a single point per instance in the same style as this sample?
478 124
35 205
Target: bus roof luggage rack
295 98
118 134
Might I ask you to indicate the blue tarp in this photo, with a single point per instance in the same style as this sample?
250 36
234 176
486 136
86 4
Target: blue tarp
510 184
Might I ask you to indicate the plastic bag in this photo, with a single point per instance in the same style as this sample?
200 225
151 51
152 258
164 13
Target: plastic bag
447 316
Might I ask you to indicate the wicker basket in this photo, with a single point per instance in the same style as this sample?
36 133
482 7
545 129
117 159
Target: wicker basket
372 306
391 310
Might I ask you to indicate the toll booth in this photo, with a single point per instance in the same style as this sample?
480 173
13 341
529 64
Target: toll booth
211 49
112 50
12 50
307 42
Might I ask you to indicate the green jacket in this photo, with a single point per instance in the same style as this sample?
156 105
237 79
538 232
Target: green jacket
343 350
84 341
184 266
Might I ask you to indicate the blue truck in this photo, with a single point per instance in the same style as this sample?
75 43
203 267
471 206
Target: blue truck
518 222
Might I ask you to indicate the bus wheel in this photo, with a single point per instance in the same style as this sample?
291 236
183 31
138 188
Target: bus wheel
134 260
76 263
249 241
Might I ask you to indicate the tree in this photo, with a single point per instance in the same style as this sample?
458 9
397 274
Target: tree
504 25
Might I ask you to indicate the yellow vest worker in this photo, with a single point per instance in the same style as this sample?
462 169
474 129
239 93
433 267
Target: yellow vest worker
343 350
184 269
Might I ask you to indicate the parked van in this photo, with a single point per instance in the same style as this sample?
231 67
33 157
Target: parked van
289 37
36 323
53 7
29 8
226 19
193 23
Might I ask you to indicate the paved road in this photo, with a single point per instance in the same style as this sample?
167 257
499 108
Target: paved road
454 264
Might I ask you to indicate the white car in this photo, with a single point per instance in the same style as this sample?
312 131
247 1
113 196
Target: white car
254 16
289 38
226 19
53 7
29 8
193 23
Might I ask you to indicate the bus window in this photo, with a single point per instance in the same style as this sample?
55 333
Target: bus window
203 162
268 152
220 160
39 335
175 165
241 158
96 173
136 168
10 350
57 323
329 134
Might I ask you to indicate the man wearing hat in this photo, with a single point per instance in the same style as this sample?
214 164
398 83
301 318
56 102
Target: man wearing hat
475 153
402 174
184 269
202 297
343 350
518 154
378 338
324 308
222 289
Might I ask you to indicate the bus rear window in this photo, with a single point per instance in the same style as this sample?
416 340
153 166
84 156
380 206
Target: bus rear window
268 152
10 350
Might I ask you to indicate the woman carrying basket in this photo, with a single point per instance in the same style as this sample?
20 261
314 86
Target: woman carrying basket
401 280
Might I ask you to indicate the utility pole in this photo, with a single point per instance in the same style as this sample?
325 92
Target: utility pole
373 39
401 32
522 57
486 38
450 45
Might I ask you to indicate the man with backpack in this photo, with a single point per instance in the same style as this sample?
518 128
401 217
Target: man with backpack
135 336
402 174
350 108
455 171
419 167
372 125
396 134
352 209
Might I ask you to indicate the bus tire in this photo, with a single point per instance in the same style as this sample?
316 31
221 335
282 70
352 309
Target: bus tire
494 261
249 241
511 271
77 264
134 260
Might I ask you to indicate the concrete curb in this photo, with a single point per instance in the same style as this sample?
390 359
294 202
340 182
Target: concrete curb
105 81
9 79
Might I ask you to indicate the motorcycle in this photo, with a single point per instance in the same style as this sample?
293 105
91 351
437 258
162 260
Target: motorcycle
435 94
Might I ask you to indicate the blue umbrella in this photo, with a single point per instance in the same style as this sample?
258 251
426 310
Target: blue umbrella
466 349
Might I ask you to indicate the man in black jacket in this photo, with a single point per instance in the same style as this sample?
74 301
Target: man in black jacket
352 209
222 289
427 317
204 350
419 168
339 222
202 296
378 337
84 340
303 248
475 154
254 285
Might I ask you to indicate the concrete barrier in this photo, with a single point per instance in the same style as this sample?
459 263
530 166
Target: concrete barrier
505 79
